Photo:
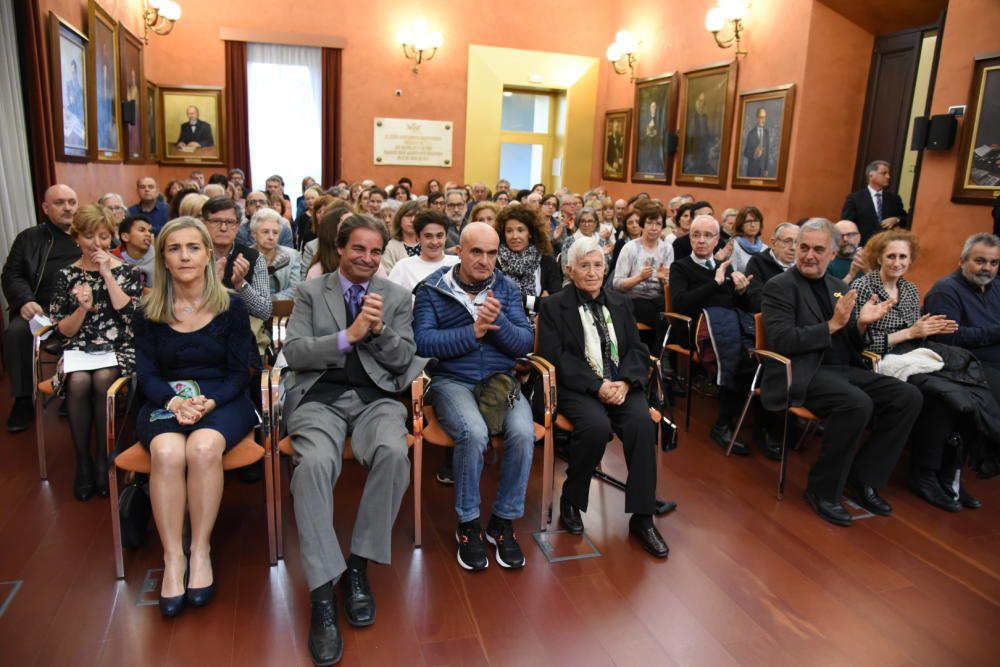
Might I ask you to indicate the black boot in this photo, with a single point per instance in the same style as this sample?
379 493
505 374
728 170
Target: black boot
101 473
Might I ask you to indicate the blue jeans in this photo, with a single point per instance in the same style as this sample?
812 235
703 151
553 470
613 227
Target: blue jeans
459 415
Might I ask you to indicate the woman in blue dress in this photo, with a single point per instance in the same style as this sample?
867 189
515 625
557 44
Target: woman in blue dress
193 358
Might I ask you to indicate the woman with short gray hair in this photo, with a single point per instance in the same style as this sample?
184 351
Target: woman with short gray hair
282 263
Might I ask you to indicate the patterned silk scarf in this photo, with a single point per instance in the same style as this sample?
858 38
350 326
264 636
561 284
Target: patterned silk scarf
600 343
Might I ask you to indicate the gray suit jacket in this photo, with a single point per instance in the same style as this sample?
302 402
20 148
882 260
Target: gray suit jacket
320 314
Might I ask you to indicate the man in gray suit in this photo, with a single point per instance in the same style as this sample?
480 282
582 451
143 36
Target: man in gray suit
351 351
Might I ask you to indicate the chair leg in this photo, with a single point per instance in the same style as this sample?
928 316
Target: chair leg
690 398
40 434
739 423
116 525
279 533
272 547
418 477
784 459
805 434
548 475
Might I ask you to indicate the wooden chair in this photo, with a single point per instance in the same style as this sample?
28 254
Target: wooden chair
136 459
690 328
285 447
281 312
43 366
763 356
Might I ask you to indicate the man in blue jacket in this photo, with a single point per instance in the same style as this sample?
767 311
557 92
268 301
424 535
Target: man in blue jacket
471 319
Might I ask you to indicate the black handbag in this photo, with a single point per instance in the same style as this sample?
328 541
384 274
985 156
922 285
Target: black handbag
660 399
134 510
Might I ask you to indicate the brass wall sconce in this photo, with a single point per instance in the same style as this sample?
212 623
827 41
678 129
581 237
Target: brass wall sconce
624 53
732 12
159 16
419 42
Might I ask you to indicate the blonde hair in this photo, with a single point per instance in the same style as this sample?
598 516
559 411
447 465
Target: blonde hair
191 205
159 301
90 217
482 206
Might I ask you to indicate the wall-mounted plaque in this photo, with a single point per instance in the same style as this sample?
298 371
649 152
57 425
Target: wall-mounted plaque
411 142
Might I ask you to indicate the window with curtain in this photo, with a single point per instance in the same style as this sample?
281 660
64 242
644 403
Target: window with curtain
285 113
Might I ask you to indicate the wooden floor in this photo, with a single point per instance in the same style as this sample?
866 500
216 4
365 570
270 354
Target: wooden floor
749 580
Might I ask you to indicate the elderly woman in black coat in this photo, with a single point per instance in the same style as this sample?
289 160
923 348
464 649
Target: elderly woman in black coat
602 369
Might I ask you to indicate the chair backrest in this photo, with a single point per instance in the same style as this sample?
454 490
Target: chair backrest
282 307
761 335
667 305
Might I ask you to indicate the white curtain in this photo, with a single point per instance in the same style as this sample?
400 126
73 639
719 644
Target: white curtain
15 171
285 113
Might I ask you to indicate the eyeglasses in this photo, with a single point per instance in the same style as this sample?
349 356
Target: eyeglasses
256 202
455 205
221 223
848 235
698 236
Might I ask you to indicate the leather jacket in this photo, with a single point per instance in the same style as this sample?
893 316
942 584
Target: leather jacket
22 273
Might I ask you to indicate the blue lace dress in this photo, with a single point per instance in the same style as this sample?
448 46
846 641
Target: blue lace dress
218 357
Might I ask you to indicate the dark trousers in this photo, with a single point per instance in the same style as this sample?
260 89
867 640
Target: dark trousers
732 398
849 398
936 423
593 423
17 354
647 311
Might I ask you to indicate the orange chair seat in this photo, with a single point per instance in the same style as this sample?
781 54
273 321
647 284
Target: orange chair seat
805 413
45 387
136 458
564 424
643 327
436 435
674 347
285 446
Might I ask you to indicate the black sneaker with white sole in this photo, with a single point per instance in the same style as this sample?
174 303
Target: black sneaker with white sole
500 533
445 473
471 546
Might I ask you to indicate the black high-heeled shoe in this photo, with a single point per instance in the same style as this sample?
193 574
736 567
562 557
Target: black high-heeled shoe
199 597
101 477
174 605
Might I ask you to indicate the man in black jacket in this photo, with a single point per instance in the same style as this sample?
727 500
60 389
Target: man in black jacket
874 208
29 275
809 317
771 262
195 133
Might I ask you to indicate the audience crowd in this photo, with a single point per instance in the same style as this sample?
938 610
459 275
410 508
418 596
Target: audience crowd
460 283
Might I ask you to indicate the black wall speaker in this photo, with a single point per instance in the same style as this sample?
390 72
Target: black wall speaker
129 112
941 132
919 140
672 142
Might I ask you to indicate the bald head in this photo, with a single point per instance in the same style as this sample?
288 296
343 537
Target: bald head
477 252
60 206
704 236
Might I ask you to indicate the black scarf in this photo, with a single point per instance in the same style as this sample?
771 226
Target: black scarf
472 288
521 266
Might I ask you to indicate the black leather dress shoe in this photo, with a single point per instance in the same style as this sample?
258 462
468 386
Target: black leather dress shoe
868 498
769 446
170 607
832 512
649 537
723 435
22 413
927 486
199 597
359 603
326 646
569 517
968 500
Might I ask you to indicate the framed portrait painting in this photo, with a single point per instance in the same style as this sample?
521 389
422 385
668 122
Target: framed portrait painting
152 121
617 128
764 124
68 64
192 127
131 77
102 80
655 118
706 125
977 177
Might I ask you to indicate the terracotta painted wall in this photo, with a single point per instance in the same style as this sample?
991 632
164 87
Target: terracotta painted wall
970 30
789 41
373 64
